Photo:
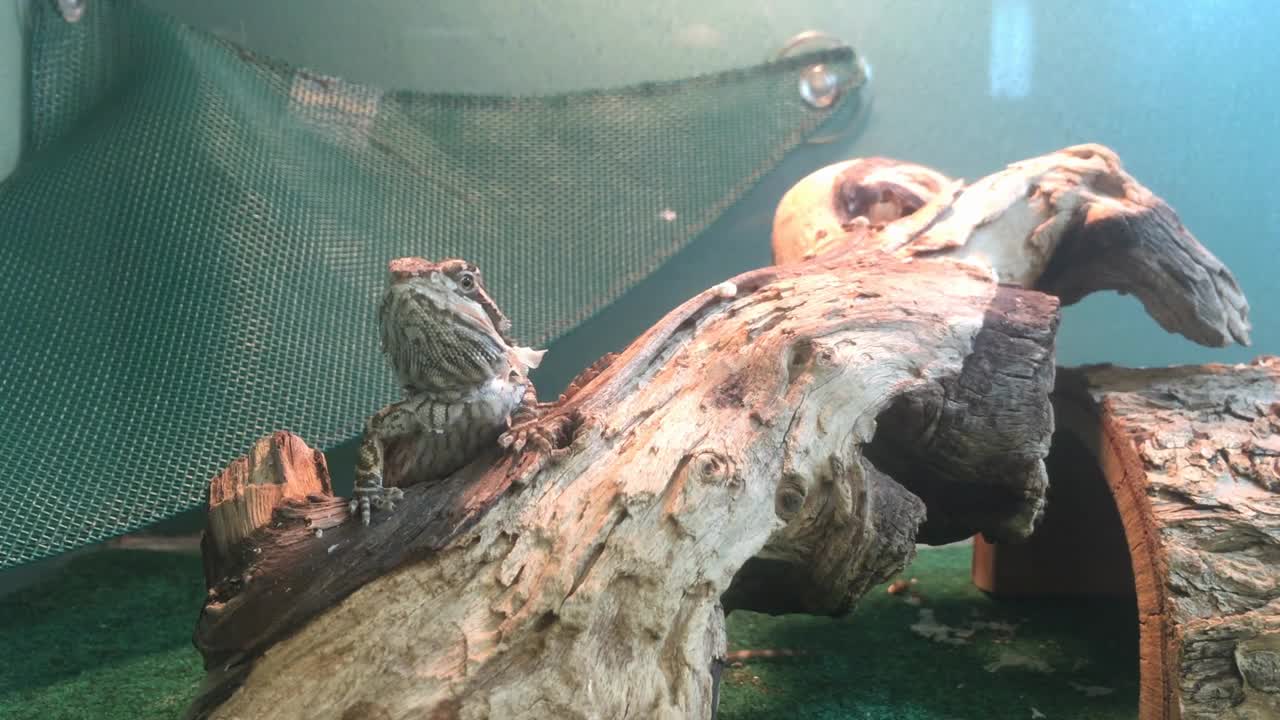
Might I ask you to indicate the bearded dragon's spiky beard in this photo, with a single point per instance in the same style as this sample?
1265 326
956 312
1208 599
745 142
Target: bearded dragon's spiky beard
438 341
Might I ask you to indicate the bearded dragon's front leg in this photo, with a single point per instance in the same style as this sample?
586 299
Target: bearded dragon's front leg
392 421
529 408
526 426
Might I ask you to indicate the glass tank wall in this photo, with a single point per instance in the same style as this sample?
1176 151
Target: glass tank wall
1183 90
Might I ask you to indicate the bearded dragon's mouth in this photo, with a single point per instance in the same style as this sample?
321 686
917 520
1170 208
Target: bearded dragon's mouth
445 300
473 313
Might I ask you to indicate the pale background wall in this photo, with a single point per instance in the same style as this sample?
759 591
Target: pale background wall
1185 90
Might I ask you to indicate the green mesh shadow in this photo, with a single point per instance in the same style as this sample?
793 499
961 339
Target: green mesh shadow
194 242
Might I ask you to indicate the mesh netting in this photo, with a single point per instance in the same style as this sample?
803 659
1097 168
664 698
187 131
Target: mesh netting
194 242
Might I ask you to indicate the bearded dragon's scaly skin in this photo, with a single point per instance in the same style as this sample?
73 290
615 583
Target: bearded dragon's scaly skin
448 345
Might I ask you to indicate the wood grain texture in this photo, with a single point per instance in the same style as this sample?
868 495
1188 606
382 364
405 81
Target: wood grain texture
731 434
279 469
1069 223
777 443
1078 553
1192 457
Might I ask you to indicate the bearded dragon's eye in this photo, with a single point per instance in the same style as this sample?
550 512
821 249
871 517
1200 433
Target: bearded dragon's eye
467 281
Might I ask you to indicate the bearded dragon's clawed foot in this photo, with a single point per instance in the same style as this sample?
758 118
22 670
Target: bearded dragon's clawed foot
548 435
378 497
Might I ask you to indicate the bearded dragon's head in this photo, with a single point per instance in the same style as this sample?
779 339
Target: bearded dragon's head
453 287
441 330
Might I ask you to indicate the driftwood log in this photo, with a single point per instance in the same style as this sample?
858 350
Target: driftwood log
779 443
1068 223
1191 456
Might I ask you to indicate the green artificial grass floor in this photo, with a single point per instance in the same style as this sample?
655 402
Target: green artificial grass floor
109 637
956 655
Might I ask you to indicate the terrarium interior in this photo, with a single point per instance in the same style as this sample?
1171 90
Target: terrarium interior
842 254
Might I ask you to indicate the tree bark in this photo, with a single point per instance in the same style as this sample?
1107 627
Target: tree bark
774 443
1192 458
591 586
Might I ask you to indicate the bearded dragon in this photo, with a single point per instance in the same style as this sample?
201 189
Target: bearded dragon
463 378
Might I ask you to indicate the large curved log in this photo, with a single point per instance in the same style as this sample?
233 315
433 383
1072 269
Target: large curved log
590 586
775 443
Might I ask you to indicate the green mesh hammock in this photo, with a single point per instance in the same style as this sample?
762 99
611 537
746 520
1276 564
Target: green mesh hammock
195 238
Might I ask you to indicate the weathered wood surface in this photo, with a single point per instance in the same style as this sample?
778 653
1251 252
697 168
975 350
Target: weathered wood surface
278 469
1192 457
1078 553
774 443
591 587
1068 223
307 555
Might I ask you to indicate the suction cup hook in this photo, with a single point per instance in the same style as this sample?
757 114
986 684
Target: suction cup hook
822 85
71 10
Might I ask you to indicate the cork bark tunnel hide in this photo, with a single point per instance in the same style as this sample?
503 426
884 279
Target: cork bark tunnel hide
1190 457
